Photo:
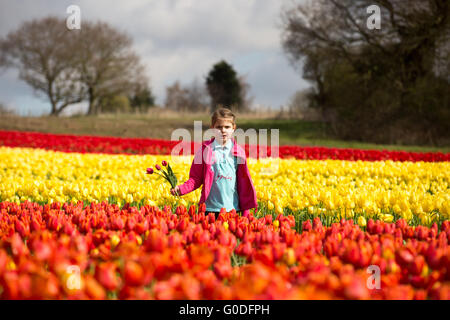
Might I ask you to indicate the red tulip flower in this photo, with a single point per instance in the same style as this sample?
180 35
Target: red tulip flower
168 174
149 170
105 274
133 273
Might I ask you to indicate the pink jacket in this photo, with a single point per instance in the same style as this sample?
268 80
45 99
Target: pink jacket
201 173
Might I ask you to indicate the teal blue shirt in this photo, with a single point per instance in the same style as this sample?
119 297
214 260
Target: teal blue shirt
223 193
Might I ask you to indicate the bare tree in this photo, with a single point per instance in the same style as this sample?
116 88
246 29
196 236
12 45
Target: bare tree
197 96
246 98
42 51
176 97
411 32
193 97
394 79
108 65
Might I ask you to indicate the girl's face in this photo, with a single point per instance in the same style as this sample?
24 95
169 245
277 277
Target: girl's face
225 129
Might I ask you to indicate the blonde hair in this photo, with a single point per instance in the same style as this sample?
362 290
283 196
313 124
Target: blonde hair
223 113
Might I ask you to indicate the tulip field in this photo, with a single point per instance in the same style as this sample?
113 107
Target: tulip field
81 219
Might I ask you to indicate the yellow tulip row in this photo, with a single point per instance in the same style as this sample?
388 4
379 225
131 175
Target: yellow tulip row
328 187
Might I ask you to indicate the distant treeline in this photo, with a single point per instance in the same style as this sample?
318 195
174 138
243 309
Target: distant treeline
386 85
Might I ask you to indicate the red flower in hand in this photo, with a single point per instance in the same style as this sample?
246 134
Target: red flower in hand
168 174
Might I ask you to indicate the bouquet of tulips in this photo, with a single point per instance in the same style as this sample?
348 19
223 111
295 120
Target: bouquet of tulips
169 175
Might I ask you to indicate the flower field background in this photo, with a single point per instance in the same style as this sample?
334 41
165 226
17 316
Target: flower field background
114 145
324 216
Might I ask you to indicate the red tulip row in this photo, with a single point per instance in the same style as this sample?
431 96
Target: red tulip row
152 253
114 145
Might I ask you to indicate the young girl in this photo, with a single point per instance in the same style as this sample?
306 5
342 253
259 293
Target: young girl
221 166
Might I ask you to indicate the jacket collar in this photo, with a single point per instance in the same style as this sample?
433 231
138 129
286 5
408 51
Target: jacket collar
226 147
236 150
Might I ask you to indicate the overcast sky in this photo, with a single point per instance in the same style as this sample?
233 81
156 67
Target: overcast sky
177 40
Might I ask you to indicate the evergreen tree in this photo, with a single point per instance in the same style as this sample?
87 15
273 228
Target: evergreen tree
224 86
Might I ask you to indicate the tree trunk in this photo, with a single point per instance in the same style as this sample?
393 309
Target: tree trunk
51 97
54 112
92 106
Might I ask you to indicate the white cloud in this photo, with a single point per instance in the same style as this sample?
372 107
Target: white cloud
182 39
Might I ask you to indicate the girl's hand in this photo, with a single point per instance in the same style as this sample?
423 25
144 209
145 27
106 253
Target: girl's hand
175 191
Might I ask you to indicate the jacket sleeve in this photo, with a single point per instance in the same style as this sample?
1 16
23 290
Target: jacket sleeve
196 174
246 189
